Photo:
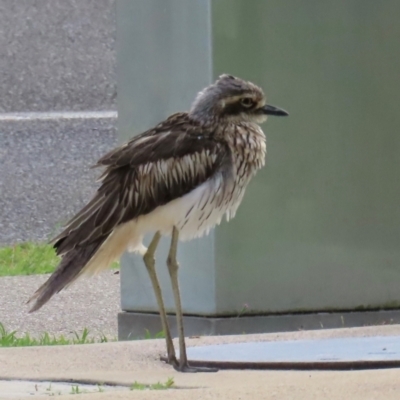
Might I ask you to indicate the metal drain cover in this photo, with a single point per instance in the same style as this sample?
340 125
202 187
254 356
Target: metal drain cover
338 353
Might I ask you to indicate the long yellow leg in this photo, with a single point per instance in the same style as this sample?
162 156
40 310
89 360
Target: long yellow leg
149 261
173 267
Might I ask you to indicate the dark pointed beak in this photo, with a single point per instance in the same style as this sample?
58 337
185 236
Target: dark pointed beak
271 110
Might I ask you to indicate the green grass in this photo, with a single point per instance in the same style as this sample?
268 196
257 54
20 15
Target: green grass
155 386
29 259
11 339
75 390
158 335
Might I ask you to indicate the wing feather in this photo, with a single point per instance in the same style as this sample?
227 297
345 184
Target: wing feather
151 170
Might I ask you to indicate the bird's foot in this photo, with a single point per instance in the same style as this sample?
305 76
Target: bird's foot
171 360
187 368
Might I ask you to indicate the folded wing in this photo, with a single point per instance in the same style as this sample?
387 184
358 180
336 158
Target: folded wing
149 171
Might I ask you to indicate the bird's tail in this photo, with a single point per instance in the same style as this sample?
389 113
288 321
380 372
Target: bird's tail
88 259
68 270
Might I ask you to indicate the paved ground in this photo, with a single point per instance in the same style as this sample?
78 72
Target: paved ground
126 362
45 161
57 55
92 303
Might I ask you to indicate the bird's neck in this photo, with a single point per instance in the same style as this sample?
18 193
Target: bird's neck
247 142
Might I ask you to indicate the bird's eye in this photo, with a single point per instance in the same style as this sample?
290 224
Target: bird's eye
246 102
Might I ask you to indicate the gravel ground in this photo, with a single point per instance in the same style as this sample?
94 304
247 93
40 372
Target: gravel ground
91 303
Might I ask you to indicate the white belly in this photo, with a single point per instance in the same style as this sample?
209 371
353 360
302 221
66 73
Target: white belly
193 214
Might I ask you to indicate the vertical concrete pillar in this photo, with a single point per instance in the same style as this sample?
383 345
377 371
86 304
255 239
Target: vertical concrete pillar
319 227
164 59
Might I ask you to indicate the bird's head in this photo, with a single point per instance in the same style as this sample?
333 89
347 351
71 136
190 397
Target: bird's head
232 99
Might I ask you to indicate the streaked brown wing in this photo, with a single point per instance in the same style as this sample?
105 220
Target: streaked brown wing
149 171
161 142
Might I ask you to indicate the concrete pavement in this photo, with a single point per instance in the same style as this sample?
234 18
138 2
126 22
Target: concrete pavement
123 363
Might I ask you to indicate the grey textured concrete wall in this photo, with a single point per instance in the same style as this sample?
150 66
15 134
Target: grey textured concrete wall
57 59
57 55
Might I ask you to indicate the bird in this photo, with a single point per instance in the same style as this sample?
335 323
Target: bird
178 179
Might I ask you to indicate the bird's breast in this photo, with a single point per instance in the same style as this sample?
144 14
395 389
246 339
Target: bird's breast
247 143
198 211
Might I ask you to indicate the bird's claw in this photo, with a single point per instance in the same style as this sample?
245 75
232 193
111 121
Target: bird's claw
187 368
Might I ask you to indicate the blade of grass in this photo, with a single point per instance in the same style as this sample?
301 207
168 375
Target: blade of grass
10 339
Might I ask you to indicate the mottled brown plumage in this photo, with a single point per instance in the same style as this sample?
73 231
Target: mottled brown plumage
180 177
149 171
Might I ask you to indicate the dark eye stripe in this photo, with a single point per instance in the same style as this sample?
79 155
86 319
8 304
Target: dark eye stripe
237 108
